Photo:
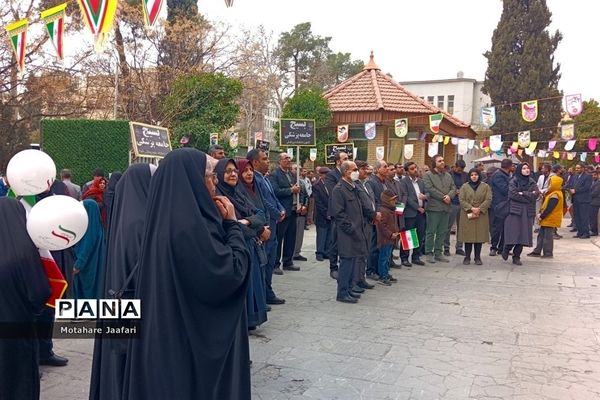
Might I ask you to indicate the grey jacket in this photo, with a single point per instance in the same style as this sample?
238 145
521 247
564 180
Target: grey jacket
437 186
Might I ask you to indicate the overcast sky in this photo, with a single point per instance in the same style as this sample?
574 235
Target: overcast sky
424 39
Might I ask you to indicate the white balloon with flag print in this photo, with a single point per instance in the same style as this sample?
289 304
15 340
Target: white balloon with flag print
57 222
30 172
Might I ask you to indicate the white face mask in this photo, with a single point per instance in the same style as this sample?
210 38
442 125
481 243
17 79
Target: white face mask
354 175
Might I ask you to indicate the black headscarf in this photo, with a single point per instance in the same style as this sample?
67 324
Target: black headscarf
523 182
109 193
236 194
192 285
124 242
24 289
474 185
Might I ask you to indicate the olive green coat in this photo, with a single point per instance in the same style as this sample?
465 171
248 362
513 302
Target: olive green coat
474 230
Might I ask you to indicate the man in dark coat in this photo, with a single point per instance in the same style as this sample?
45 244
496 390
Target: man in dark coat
286 190
377 183
499 209
345 208
260 162
594 204
331 179
414 212
580 191
322 220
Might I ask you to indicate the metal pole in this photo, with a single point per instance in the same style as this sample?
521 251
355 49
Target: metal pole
298 176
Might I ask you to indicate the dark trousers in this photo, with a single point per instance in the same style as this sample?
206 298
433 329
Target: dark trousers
45 327
344 279
323 239
419 223
373 262
517 249
469 248
594 219
333 248
545 241
497 242
360 269
582 219
271 250
286 240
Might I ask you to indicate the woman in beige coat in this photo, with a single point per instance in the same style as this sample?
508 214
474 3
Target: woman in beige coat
475 199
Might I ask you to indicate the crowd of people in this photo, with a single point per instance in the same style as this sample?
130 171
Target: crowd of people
199 238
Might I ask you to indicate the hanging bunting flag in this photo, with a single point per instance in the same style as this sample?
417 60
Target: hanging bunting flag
574 104
342 133
99 16
570 144
496 142
597 159
313 154
354 152
433 149
563 155
370 130
401 127
434 122
488 116
551 144
524 138
542 153
435 138
151 10
379 152
567 132
455 141
485 143
440 138
463 146
592 143
290 152
54 19
408 151
514 147
582 156
446 140
571 156
532 146
17 33
471 143
529 110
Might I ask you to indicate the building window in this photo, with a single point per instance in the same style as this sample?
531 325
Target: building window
440 103
450 104
430 99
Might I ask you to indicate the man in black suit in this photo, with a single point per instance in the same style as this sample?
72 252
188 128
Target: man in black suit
414 212
331 179
581 193
286 190
322 220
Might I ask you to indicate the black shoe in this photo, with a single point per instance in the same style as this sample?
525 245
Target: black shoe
547 256
291 267
493 252
584 237
299 258
54 361
517 261
333 274
396 266
572 230
466 261
576 237
418 262
533 254
358 289
347 299
505 252
277 271
406 263
384 282
326 257
478 261
460 252
355 295
320 257
268 308
447 253
276 301
392 279
373 276
594 234
365 285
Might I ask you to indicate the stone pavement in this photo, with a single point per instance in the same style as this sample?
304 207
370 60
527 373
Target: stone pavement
444 331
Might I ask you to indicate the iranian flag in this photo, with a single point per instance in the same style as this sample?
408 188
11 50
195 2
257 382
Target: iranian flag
409 239
434 122
54 19
151 11
17 33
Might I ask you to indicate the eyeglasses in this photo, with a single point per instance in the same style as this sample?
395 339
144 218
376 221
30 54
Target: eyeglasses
231 171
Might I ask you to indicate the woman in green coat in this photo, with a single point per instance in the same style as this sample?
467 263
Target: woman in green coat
475 199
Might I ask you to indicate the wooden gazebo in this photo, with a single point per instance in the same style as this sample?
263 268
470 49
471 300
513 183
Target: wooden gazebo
371 96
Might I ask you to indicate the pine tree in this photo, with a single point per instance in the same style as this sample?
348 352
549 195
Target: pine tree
521 67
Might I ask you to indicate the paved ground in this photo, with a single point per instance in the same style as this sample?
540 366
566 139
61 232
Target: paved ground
444 331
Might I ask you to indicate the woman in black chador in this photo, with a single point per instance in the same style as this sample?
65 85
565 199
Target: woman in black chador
192 286
252 221
126 228
24 289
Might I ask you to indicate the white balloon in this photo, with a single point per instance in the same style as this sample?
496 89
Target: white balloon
57 222
30 172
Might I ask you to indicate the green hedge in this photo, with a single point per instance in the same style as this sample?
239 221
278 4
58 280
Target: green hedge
83 145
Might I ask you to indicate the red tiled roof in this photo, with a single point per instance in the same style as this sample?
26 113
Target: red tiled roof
371 90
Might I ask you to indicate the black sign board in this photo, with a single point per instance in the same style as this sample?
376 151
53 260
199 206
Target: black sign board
331 149
297 132
262 145
149 140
